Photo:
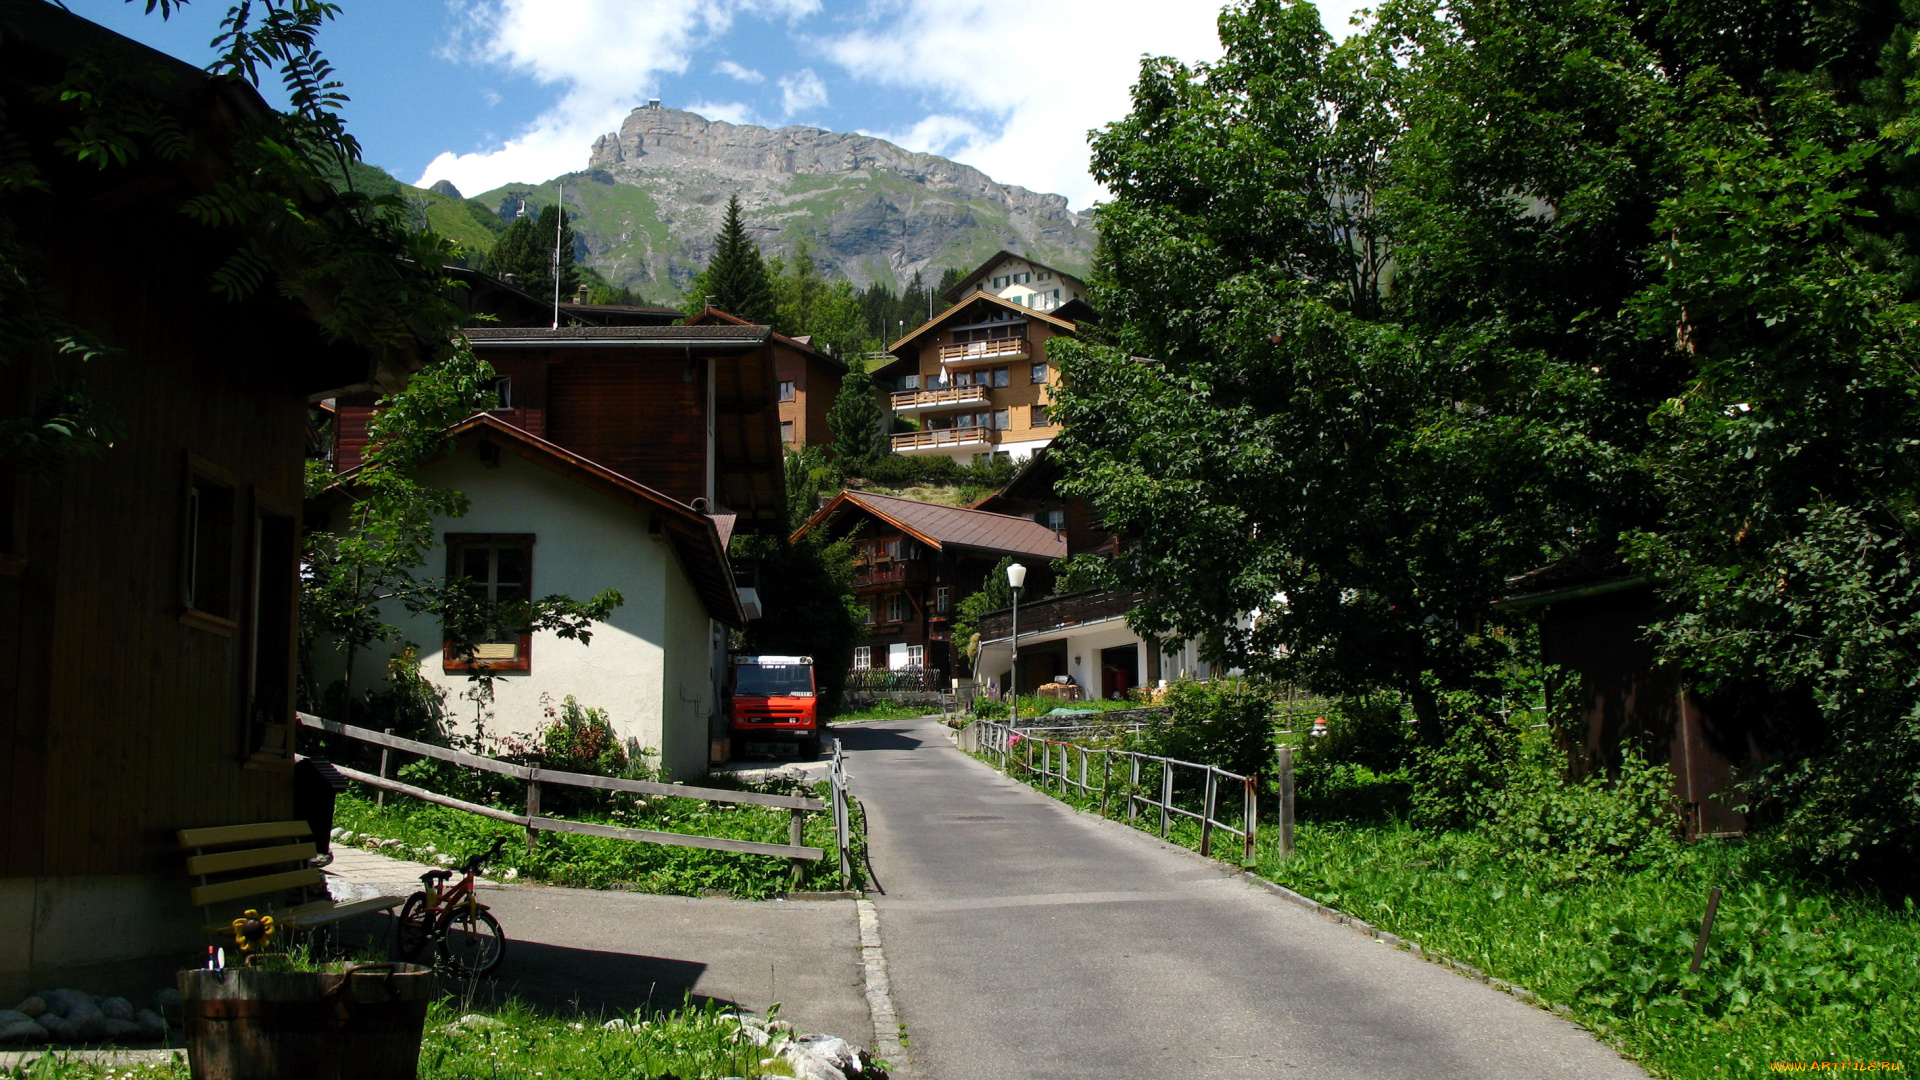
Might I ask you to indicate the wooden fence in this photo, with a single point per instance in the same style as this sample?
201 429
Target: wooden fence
1014 748
534 822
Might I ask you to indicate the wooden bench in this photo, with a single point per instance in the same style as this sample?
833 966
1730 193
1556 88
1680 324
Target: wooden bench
227 862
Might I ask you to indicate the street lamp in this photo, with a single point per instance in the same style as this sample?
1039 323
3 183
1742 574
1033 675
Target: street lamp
1016 580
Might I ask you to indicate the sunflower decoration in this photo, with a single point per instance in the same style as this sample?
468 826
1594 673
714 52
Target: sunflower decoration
252 931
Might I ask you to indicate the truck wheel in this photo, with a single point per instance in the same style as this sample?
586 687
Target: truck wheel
736 749
810 747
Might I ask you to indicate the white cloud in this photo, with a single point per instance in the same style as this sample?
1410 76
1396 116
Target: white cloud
937 134
735 71
802 90
1029 95
733 112
605 55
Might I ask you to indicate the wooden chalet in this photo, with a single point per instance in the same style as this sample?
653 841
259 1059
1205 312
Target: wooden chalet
147 592
915 562
689 411
974 381
807 381
1027 282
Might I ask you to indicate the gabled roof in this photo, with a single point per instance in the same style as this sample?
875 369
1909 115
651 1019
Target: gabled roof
1034 482
695 536
961 287
713 316
742 336
974 298
942 527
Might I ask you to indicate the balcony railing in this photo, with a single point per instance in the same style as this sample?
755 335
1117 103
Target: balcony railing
883 573
974 351
910 400
939 438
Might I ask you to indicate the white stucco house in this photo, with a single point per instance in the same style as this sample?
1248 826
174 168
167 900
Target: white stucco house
543 520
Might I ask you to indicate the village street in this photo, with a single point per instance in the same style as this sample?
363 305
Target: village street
1027 940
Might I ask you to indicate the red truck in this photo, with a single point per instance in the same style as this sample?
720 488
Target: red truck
772 699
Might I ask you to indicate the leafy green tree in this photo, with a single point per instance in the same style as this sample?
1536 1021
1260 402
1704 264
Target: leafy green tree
827 309
855 420
736 279
1488 286
994 595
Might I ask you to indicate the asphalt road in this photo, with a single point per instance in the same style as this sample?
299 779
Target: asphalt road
1027 940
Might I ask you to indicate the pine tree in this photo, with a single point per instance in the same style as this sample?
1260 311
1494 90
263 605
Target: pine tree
525 251
855 419
736 279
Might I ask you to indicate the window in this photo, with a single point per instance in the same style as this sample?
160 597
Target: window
786 390
862 657
207 550
999 376
1038 375
786 431
1001 419
916 656
1057 520
1000 283
498 571
910 382
941 597
1047 275
872 613
503 391
1037 416
963 378
274 558
893 607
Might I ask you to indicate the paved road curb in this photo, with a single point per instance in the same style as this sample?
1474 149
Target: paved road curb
886 1022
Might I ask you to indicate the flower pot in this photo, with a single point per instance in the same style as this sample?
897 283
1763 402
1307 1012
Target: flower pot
358 1021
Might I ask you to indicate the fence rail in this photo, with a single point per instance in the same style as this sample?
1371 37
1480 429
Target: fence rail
534 822
1015 748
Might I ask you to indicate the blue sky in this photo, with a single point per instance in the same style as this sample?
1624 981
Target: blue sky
485 92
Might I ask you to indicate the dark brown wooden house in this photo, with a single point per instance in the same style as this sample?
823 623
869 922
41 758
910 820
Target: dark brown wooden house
916 561
807 382
147 593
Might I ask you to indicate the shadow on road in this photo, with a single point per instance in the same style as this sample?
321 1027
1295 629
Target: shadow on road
877 736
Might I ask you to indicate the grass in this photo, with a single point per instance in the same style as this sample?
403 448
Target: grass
1797 969
1032 705
427 832
882 711
517 1042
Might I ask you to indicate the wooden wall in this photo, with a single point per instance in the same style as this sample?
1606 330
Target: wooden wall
640 418
118 722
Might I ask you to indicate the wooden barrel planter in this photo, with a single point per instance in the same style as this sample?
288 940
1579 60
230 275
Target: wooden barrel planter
359 1022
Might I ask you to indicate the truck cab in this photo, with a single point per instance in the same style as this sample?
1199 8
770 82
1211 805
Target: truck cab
773 699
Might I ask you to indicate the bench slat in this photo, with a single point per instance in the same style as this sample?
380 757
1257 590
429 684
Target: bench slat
267 883
307 916
248 858
241 834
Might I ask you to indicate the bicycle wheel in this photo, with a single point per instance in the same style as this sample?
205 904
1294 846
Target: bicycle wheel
414 928
474 946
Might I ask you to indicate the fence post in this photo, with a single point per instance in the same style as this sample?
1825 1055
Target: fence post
1084 789
380 794
797 835
842 818
533 811
1133 788
1252 822
1286 801
1166 796
1206 813
1106 778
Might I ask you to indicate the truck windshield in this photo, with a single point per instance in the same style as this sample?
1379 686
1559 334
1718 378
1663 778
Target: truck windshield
773 680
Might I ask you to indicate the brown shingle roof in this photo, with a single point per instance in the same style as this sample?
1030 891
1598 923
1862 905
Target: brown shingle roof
940 526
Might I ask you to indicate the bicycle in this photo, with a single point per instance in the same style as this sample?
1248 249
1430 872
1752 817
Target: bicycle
468 937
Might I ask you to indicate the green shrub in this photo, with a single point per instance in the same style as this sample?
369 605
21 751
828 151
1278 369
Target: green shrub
1454 783
1225 722
1570 828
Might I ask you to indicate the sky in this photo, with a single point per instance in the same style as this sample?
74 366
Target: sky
489 92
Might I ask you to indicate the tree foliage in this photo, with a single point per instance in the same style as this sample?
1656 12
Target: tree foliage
1489 286
736 279
855 420
526 249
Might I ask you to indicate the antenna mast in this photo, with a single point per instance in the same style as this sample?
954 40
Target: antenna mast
559 226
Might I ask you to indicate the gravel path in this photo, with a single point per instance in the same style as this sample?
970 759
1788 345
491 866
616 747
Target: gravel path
1027 940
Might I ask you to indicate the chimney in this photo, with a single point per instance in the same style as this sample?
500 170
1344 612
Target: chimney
580 295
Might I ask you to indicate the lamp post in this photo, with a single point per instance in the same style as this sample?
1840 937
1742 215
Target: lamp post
1016 580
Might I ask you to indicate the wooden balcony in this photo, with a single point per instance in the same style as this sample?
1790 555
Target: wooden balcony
940 440
907 401
888 572
975 352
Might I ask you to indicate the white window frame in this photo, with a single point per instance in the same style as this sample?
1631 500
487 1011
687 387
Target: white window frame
786 390
916 656
894 608
863 658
